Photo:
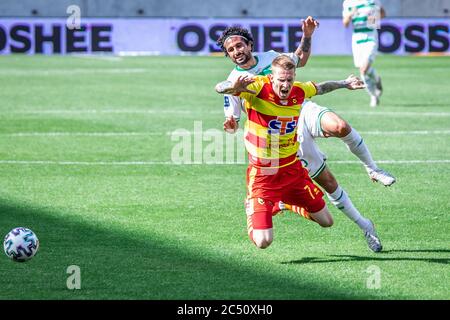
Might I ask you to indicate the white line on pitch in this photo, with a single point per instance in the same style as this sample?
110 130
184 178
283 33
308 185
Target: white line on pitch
138 134
149 163
105 111
102 57
168 110
81 134
400 113
68 72
391 161
87 163
415 132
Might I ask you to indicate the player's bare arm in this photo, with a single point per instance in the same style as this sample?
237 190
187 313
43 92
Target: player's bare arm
224 87
382 13
351 83
346 19
239 86
304 49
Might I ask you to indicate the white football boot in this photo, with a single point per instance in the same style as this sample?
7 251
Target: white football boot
381 176
373 241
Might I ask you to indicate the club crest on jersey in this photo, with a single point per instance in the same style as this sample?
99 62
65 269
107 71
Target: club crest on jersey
282 125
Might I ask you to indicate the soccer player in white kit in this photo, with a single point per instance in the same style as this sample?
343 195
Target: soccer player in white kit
365 16
315 121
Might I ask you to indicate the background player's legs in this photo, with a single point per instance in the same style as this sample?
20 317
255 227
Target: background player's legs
373 83
364 55
368 75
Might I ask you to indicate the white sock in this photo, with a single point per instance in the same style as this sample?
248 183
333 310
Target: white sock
340 199
370 81
373 74
356 145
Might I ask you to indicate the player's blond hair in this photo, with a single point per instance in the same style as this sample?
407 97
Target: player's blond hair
283 62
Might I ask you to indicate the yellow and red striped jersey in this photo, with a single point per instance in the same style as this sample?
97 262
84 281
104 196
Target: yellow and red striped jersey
271 128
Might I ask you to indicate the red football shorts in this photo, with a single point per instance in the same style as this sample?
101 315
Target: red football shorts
290 184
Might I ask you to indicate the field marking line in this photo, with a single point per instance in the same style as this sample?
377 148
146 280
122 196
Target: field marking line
150 163
103 111
102 57
81 134
400 113
391 161
406 132
168 133
166 110
68 71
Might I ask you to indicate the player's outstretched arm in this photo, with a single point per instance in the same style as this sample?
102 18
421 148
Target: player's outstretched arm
351 83
304 48
236 87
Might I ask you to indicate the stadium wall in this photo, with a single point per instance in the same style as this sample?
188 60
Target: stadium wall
213 8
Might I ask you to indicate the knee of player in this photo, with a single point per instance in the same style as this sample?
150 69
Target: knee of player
327 221
262 244
334 126
323 218
262 240
342 128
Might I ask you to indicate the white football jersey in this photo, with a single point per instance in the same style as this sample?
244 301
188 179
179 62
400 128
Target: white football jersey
367 16
234 105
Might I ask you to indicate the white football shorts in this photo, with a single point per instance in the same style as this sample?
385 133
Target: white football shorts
364 52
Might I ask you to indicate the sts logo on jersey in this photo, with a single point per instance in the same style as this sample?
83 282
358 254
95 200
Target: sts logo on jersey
282 125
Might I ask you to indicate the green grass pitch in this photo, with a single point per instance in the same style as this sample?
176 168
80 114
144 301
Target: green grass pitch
85 162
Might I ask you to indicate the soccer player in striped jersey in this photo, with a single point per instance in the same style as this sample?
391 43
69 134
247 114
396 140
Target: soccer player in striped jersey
275 174
315 121
365 16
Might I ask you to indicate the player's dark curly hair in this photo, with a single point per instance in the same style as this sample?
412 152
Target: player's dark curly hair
234 31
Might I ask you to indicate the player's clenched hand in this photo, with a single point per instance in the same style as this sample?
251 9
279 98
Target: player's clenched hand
230 125
353 83
309 25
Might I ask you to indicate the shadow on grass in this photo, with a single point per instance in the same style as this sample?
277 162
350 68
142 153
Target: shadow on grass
346 258
121 264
